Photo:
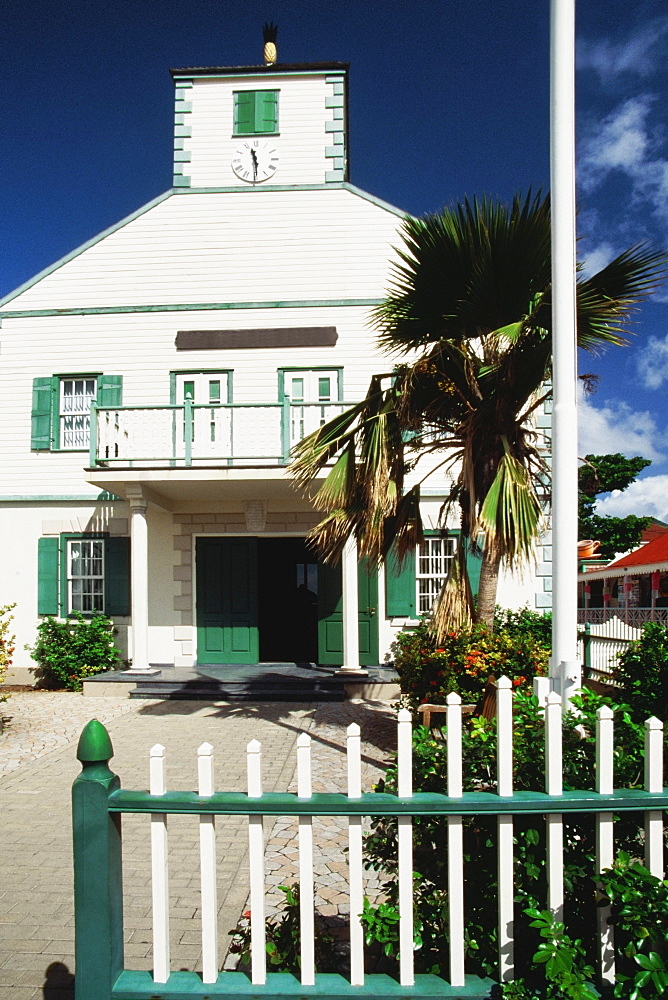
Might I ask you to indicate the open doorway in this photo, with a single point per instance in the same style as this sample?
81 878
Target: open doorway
287 601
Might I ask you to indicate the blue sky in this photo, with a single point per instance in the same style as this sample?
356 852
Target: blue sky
446 100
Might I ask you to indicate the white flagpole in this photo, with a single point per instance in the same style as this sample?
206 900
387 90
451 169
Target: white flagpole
565 670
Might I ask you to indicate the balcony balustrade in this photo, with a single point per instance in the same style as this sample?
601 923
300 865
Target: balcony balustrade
190 434
635 617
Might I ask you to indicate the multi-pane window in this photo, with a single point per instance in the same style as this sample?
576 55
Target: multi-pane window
211 420
85 575
76 396
311 394
255 112
433 559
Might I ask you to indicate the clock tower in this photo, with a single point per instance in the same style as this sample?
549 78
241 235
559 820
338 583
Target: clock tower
258 127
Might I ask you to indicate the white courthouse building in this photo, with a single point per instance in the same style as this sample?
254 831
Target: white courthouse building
154 380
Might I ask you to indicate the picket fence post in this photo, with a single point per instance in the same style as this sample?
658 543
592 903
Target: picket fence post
98 885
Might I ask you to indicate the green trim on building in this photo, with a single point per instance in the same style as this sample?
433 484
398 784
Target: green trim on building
375 201
262 188
190 307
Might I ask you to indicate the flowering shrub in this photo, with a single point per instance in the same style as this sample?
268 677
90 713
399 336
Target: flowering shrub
463 662
6 643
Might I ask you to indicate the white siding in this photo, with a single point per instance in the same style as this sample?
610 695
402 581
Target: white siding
301 140
140 347
259 246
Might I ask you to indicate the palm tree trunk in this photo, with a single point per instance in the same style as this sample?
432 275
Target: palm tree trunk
489 579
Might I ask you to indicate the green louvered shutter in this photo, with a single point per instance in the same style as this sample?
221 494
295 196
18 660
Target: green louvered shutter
43 391
400 586
117 576
244 112
110 390
266 111
48 555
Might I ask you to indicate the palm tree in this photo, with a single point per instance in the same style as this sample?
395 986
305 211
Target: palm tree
467 320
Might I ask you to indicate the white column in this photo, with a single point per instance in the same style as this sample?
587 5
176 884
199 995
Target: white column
565 669
351 637
139 583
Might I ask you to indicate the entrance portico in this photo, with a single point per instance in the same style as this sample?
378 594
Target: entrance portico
246 587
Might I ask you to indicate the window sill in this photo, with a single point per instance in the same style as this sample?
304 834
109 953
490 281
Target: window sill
252 135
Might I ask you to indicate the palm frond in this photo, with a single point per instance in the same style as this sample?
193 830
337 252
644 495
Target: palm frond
453 608
511 513
608 298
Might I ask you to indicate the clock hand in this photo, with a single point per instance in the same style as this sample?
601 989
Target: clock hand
254 159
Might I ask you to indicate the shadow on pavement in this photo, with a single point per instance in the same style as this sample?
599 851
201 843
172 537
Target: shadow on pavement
59 982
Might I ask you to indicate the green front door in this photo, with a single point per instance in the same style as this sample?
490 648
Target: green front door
227 616
330 614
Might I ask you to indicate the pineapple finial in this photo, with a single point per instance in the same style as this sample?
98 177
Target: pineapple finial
269 32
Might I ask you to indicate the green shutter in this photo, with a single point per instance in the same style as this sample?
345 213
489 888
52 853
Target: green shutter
117 576
473 565
47 576
266 111
43 391
255 111
244 112
400 586
110 390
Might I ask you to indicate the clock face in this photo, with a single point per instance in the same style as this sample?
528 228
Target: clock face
255 161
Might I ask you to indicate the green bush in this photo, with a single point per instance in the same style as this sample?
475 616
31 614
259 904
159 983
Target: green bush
556 961
480 845
525 623
463 661
69 651
7 641
283 938
642 673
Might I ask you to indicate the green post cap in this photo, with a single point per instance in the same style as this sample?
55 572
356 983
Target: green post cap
94 743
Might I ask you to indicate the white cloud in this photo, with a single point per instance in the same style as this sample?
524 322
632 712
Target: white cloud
640 54
653 362
595 260
627 141
621 142
616 427
645 498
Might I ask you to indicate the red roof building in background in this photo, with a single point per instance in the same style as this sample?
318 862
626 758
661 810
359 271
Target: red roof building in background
634 586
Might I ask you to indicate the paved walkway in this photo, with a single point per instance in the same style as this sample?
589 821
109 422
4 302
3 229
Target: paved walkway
38 764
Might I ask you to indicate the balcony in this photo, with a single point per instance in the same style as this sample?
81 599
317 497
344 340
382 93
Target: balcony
189 435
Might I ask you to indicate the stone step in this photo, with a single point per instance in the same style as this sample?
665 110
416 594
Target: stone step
200 688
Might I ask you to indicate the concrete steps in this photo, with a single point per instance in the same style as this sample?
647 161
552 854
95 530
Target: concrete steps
200 689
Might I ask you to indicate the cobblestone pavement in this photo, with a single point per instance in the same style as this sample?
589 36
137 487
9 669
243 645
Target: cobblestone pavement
38 764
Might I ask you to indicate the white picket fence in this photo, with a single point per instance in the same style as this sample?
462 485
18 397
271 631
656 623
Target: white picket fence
600 645
453 799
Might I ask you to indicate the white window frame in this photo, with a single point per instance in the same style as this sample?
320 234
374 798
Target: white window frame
431 569
74 411
85 588
305 413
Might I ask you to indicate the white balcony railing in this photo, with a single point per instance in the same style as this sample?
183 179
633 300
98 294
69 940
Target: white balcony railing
191 434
